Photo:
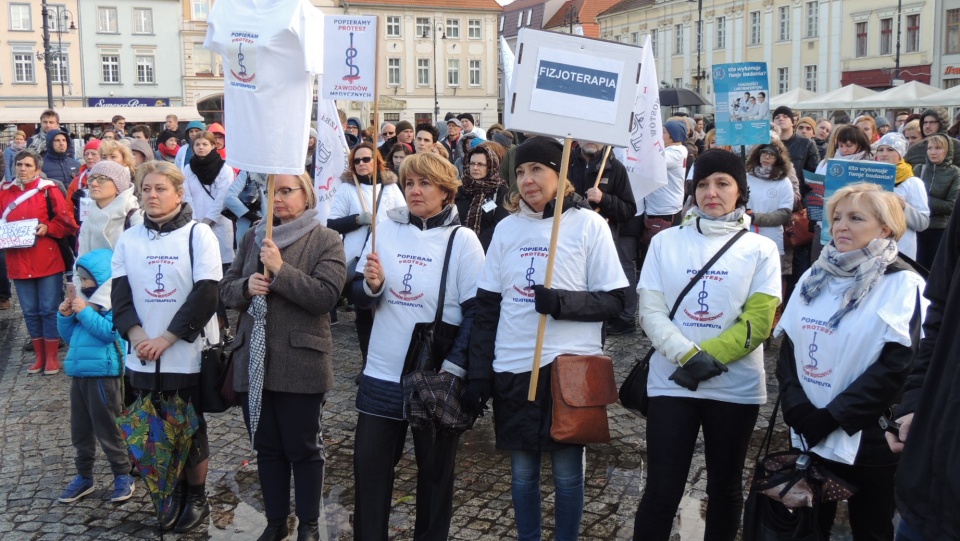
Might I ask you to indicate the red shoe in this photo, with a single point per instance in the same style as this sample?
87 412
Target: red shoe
52 364
38 352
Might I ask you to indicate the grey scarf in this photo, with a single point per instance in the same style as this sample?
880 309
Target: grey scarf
286 234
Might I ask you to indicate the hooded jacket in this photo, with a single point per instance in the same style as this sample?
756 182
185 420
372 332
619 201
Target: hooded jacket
917 154
186 150
60 166
95 347
942 182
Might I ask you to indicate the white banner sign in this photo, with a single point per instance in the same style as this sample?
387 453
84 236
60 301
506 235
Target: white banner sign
644 159
507 60
18 234
330 159
349 57
577 85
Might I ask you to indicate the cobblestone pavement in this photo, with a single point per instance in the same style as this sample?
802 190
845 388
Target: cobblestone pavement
36 463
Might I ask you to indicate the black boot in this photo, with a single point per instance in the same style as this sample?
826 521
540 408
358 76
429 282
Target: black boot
196 510
308 531
177 501
276 530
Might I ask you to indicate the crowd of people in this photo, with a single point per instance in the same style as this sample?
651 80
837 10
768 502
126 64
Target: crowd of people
155 238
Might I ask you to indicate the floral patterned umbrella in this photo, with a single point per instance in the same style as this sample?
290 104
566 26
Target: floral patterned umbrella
158 434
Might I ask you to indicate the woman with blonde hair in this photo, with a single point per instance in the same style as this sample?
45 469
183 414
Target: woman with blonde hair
850 333
119 153
941 177
868 125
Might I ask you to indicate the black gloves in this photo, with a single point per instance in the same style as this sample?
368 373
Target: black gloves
252 215
700 367
546 300
476 396
815 425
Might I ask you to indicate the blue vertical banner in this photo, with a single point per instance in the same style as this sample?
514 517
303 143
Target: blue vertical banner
742 103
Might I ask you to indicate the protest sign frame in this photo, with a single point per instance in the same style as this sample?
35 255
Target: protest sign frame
841 173
739 123
573 87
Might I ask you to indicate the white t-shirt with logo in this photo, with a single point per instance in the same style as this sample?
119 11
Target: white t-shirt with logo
158 270
271 51
768 196
412 261
750 266
517 259
347 202
829 360
914 193
668 199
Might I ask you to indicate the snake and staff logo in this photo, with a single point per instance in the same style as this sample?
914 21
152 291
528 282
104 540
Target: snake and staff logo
524 290
243 60
351 54
159 292
810 368
702 315
411 292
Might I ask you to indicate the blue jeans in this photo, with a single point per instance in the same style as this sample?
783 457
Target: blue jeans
568 467
39 299
905 532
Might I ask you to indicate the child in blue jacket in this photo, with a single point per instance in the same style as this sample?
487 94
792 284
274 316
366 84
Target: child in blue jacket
95 363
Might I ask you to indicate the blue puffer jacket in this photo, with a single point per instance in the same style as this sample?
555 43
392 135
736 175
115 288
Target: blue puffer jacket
95 347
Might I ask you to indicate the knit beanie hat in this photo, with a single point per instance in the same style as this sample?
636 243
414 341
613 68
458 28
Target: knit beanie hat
313 133
403 126
93 144
355 122
545 150
467 116
809 122
166 135
881 121
677 130
119 174
504 137
717 160
894 140
783 110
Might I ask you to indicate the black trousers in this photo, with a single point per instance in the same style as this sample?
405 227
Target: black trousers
364 323
288 439
672 427
871 508
378 446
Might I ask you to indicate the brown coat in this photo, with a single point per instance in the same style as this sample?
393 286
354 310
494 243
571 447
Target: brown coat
299 344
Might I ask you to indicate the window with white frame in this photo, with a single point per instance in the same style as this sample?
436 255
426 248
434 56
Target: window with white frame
110 68
529 16
886 36
861 39
107 20
635 38
202 60
23 67
952 45
913 33
199 9
678 82
59 66
453 72
475 79
754 28
146 70
393 26
453 28
423 27
784 28
475 29
783 80
423 72
810 77
520 19
393 72
142 21
501 23
721 33
20 17
678 39
813 19
654 34
58 20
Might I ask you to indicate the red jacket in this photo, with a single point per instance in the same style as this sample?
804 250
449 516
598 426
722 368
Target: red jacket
43 259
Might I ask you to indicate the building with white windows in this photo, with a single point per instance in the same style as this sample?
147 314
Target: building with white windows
131 53
23 78
945 68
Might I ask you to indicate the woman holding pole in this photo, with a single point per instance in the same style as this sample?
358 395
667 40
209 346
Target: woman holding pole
510 300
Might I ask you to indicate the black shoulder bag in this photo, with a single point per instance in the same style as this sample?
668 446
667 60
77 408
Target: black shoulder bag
633 392
431 341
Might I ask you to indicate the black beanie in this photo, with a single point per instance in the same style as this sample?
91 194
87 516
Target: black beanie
404 125
783 110
717 160
543 150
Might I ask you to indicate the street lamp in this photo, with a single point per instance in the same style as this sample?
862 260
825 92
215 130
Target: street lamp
896 69
60 16
699 74
436 66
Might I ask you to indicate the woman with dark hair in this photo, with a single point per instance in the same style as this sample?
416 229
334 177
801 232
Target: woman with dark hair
37 271
352 214
771 192
481 197
396 156
402 280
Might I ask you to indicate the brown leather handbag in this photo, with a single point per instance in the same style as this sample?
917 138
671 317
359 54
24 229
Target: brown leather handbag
582 387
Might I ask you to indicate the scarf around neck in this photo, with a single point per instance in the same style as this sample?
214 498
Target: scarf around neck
763 172
479 191
172 153
206 167
865 265
904 171
286 234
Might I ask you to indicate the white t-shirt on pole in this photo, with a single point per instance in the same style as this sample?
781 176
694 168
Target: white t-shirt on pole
271 50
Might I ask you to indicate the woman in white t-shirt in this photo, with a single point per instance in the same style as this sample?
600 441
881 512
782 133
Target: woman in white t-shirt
587 289
401 279
771 192
851 330
707 371
913 194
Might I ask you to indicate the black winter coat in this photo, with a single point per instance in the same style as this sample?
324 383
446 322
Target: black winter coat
489 220
928 478
617 204
861 404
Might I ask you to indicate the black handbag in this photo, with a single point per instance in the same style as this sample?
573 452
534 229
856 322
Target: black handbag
431 341
214 363
633 392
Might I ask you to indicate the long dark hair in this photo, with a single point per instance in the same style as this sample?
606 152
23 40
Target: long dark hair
780 168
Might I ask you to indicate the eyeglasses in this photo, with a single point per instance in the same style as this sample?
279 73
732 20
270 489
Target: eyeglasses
387 134
365 159
284 193
477 164
99 179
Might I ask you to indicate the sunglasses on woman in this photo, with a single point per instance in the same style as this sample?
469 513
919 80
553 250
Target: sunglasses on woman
365 159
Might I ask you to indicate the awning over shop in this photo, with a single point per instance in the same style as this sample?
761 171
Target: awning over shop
905 95
841 98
